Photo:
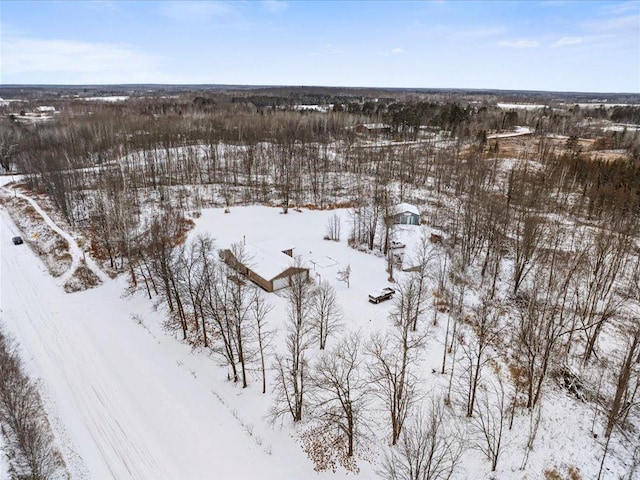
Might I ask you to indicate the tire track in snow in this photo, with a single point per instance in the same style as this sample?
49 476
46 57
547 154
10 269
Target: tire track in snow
77 254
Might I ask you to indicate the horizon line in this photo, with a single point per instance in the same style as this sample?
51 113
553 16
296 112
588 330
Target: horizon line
258 86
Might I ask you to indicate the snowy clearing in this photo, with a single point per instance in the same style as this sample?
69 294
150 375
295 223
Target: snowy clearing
128 401
109 98
121 403
521 106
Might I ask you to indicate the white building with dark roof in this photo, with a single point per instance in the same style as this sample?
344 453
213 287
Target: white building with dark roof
407 214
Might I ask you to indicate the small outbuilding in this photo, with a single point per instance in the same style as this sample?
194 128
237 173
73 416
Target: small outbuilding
270 267
372 128
45 110
406 214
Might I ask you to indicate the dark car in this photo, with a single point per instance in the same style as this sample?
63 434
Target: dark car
17 240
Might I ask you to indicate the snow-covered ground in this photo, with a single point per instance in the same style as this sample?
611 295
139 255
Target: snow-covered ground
520 106
7 101
127 400
108 98
77 255
518 131
620 127
121 403
603 104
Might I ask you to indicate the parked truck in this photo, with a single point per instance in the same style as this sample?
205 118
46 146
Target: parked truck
381 295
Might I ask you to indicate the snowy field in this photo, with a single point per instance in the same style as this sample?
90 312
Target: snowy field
108 98
521 106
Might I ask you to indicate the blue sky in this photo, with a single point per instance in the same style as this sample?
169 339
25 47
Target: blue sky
533 45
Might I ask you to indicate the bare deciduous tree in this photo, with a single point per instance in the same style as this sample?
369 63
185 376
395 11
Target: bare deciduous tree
544 319
423 259
392 373
485 326
489 424
428 449
260 309
606 256
340 389
334 228
344 275
8 147
240 311
292 368
409 303
534 425
527 239
326 313
622 401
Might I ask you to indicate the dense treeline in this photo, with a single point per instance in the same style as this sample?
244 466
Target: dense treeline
626 114
29 444
291 158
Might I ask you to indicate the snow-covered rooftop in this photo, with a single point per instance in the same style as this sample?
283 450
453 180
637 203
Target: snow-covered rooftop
275 244
316 108
266 259
407 207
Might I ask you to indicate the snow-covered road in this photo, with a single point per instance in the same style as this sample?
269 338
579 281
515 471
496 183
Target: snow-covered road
120 404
